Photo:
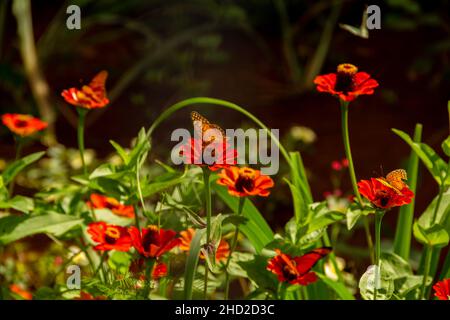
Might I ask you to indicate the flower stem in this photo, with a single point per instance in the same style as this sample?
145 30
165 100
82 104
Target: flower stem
81 118
378 217
233 247
148 277
426 271
206 175
19 147
351 167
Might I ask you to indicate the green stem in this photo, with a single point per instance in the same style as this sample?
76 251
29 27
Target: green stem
148 277
206 175
378 217
233 247
428 252
351 167
19 147
80 132
327 242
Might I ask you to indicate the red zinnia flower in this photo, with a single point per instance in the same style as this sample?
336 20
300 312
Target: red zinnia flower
383 195
442 289
347 83
296 270
99 201
151 242
109 237
223 250
137 268
26 295
23 124
193 153
245 181
89 96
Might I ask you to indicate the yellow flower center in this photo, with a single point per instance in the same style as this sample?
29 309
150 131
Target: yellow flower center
113 233
347 68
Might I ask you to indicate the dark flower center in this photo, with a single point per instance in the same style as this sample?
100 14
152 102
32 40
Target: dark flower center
344 78
383 197
244 183
288 273
21 123
151 237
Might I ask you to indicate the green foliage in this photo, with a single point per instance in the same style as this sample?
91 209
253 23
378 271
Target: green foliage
17 166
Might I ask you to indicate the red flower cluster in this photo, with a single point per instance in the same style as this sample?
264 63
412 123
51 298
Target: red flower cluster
347 83
245 181
442 289
383 195
23 125
221 152
99 201
296 270
337 165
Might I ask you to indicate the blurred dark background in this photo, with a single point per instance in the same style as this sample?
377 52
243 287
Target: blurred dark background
260 54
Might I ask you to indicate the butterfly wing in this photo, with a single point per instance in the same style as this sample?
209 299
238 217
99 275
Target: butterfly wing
396 177
202 125
306 262
98 84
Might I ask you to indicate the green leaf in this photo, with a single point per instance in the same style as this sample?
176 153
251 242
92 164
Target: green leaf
320 216
256 229
428 218
446 146
429 157
338 287
122 153
191 263
402 241
120 261
161 183
13 228
19 203
257 272
14 168
435 236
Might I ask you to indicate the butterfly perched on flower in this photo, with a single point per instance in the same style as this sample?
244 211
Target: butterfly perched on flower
202 125
394 179
90 96
297 270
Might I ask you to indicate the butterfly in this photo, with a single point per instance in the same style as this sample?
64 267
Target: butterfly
362 31
89 96
394 180
202 125
298 267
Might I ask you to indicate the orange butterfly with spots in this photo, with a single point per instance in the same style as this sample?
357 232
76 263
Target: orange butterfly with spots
202 125
90 96
394 180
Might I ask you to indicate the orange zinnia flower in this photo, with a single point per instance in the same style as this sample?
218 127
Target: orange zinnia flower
442 289
245 181
151 242
384 196
109 237
26 295
89 96
23 124
296 270
99 201
223 250
193 153
347 83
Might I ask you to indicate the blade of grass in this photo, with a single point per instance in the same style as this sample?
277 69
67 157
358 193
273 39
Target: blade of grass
191 263
402 241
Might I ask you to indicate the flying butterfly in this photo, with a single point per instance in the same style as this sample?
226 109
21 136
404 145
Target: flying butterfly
394 180
202 125
89 96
